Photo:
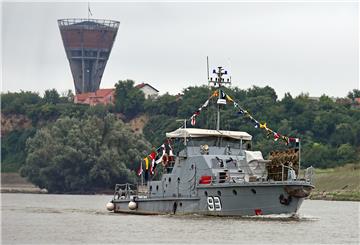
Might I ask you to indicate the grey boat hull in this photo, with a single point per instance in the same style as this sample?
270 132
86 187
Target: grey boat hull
224 200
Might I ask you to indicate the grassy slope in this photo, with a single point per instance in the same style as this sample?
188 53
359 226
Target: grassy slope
341 183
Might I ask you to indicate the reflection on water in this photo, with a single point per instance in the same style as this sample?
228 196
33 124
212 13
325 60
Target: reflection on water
74 219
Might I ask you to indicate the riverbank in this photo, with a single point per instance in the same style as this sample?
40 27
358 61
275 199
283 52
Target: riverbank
339 184
336 184
14 183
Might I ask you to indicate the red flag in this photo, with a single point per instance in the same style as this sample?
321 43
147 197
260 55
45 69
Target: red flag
152 155
193 122
152 166
276 136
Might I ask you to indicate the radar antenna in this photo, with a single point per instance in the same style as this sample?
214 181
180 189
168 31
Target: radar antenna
219 82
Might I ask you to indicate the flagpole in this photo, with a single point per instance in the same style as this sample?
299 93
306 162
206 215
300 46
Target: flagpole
207 63
142 178
299 156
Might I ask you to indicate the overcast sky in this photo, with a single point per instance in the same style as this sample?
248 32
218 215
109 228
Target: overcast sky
292 47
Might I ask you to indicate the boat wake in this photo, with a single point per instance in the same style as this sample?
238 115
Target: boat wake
272 217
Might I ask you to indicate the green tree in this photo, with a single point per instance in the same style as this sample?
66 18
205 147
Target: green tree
318 155
192 99
13 149
67 96
18 102
129 100
79 155
346 153
343 134
354 94
51 96
166 104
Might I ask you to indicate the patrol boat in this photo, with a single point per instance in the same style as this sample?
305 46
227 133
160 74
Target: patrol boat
215 172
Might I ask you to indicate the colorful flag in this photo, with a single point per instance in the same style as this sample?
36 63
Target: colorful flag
276 136
160 154
286 139
152 157
171 154
222 95
193 121
140 170
294 139
229 98
257 124
241 112
215 94
205 104
268 133
263 125
146 163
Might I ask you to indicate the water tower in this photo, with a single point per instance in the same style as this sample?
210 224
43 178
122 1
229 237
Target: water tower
88 43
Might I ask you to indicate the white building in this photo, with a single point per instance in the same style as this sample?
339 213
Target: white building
148 90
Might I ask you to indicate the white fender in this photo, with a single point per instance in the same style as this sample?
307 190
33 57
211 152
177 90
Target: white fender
110 206
132 205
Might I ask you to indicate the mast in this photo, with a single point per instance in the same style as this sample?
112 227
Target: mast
219 82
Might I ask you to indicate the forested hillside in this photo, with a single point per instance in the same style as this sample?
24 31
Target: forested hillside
92 147
329 131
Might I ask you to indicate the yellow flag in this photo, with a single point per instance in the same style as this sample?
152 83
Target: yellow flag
146 163
263 125
229 98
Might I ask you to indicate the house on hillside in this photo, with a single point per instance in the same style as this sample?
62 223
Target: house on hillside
100 96
314 98
356 103
343 101
148 90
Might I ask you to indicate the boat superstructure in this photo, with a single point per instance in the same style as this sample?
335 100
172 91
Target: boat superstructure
215 172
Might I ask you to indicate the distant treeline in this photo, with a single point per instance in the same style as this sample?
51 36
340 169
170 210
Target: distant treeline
79 146
329 131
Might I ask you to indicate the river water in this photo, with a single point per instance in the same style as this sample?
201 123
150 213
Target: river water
79 219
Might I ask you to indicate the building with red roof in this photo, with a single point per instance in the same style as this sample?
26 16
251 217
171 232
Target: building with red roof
101 96
148 90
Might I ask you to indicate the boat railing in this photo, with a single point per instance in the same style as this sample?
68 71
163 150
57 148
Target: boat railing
287 174
309 174
291 175
124 191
